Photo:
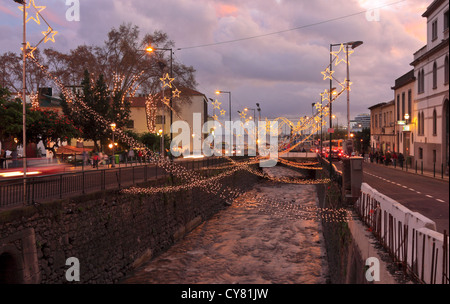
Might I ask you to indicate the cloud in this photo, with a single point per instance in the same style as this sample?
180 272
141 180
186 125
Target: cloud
281 71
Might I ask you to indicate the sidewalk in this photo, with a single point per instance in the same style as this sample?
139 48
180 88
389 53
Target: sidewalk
437 175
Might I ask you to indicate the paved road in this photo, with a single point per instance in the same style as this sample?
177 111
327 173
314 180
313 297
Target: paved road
426 195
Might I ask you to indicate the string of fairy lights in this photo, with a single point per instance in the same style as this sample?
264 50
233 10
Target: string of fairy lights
191 179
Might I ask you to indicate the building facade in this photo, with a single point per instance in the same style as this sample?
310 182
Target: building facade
382 129
360 122
190 102
405 114
431 70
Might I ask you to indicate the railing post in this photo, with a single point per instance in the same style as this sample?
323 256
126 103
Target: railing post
32 189
83 183
60 186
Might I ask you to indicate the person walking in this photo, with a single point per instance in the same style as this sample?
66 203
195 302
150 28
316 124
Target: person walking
394 159
2 158
95 161
401 159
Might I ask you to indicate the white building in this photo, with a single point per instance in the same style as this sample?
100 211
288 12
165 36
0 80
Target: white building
431 70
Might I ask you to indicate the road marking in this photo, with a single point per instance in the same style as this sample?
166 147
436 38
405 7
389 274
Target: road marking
411 189
418 192
441 201
429 196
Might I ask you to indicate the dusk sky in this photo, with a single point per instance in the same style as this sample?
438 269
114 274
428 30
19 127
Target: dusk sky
280 71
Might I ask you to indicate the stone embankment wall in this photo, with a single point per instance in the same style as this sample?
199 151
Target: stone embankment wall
110 233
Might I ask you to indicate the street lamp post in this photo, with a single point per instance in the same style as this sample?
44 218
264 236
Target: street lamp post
354 45
229 100
150 50
161 143
113 128
24 94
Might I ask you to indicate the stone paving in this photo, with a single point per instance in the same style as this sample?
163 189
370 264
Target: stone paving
254 241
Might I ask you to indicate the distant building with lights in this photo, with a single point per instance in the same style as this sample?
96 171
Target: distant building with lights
360 122
382 123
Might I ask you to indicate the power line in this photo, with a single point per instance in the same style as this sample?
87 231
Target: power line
289 30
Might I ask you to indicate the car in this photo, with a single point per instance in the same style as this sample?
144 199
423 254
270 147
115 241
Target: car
35 167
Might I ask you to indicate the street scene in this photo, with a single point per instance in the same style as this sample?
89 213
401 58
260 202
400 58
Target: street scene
223 143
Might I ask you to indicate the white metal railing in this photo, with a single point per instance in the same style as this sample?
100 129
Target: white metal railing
408 236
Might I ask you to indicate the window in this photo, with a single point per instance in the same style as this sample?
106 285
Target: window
381 122
434 32
398 107
420 153
446 70
434 75
446 21
434 122
422 82
403 107
410 104
375 121
422 124
130 124
160 120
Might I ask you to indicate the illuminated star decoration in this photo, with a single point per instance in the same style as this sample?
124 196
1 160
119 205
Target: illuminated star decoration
217 104
223 112
167 81
176 93
215 117
336 54
344 85
325 96
38 10
31 49
327 74
242 115
48 33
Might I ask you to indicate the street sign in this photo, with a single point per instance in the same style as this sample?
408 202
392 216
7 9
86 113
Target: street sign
330 130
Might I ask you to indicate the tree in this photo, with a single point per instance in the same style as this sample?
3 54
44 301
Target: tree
153 141
44 125
124 63
50 127
96 96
